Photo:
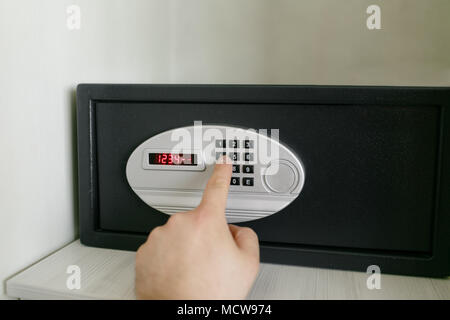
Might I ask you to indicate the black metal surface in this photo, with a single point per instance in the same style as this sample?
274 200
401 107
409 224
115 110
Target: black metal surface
376 176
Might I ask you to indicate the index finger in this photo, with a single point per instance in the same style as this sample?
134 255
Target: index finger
214 200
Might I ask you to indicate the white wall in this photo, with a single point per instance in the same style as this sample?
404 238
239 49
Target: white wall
196 41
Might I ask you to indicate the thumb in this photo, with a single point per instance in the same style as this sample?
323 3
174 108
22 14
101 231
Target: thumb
246 239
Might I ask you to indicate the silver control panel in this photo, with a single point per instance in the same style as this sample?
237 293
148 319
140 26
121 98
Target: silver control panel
169 171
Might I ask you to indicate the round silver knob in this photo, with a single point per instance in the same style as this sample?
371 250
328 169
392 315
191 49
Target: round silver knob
281 176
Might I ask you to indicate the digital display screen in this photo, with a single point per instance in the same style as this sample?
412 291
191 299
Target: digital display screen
172 159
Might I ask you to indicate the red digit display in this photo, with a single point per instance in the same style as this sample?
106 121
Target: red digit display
172 159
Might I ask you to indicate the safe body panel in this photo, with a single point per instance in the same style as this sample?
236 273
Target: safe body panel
374 159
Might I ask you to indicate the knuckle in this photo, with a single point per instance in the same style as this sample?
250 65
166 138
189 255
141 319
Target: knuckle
176 219
154 233
173 219
139 251
249 232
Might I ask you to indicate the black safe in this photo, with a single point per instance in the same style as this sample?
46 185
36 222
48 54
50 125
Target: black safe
377 161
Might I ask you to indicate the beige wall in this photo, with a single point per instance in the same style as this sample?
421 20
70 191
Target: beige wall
310 42
195 41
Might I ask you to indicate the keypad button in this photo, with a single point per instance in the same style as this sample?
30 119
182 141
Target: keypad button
248 182
236 168
220 154
247 169
234 156
235 181
234 144
221 143
248 144
248 156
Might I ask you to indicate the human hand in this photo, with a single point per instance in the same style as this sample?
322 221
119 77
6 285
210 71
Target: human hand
196 254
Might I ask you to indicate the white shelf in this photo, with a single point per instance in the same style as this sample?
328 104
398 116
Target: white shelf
109 274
